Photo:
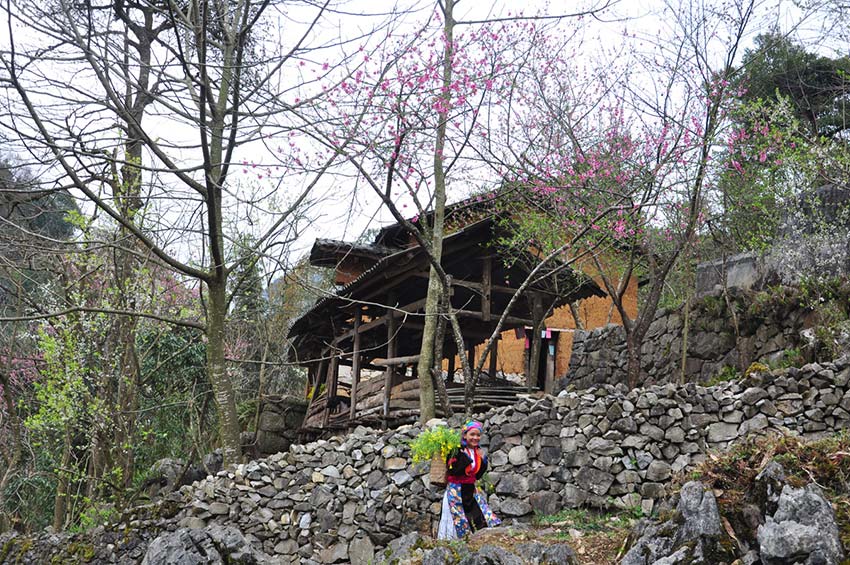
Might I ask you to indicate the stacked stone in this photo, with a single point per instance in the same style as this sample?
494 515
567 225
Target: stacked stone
345 499
599 356
328 501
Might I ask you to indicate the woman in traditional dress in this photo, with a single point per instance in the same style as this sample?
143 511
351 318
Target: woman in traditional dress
465 508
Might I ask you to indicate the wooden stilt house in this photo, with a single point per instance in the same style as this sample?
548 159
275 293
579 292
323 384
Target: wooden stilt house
361 345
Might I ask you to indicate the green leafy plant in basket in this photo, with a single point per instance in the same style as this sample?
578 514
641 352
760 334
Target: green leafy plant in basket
439 441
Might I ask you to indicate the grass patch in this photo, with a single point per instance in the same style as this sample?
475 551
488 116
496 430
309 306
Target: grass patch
588 520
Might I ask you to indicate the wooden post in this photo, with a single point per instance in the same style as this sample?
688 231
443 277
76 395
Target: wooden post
355 363
487 288
451 368
311 378
470 357
321 373
388 373
494 352
330 390
534 355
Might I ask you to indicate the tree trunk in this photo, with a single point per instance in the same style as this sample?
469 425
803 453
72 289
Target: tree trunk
685 332
427 404
633 345
439 383
15 450
60 505
217 370
435 285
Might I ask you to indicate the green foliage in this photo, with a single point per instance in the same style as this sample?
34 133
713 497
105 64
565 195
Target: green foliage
791 358
29 494
726 374
94 514
439 440
587 520
247 410
816 86
756 368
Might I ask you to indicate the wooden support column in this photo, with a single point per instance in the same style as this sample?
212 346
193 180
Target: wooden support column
487 288
321 373
355 363
534 354
388 373
451 369
470 356
311 378
494 353
333 376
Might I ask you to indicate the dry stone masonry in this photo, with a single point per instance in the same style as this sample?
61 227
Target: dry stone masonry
345 499
599 356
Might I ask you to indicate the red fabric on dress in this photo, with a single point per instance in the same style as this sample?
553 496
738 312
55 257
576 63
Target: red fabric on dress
471 469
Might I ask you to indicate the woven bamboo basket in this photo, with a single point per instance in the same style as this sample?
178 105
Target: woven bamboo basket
438 470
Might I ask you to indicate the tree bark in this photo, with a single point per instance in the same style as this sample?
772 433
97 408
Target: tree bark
60 504
13 458
435 285
217 370
439 383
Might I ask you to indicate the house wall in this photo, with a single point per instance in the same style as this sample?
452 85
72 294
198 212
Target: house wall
595 312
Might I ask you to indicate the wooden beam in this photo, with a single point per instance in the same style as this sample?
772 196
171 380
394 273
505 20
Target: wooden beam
355 369
410 308
391 362
509 320
550 367
532 376
479 287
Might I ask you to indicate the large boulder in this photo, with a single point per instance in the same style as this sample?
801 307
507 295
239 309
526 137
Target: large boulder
694 535
803 530
213 545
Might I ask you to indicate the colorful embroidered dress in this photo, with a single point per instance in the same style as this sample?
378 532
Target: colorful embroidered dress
465 508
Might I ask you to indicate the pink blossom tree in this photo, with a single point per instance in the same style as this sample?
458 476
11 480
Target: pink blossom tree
638 175
410 125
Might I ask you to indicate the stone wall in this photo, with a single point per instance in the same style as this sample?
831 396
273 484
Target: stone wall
344 499
599 356
278 424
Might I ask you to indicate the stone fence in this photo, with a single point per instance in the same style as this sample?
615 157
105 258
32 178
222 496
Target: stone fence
343 500
599 356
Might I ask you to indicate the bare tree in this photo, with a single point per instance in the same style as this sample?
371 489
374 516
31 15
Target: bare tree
145 110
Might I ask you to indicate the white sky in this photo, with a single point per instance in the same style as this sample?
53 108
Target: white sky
343 214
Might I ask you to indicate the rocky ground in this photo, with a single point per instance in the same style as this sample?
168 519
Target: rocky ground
347 500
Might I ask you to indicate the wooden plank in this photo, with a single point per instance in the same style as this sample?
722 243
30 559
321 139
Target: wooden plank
355 369
405 360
